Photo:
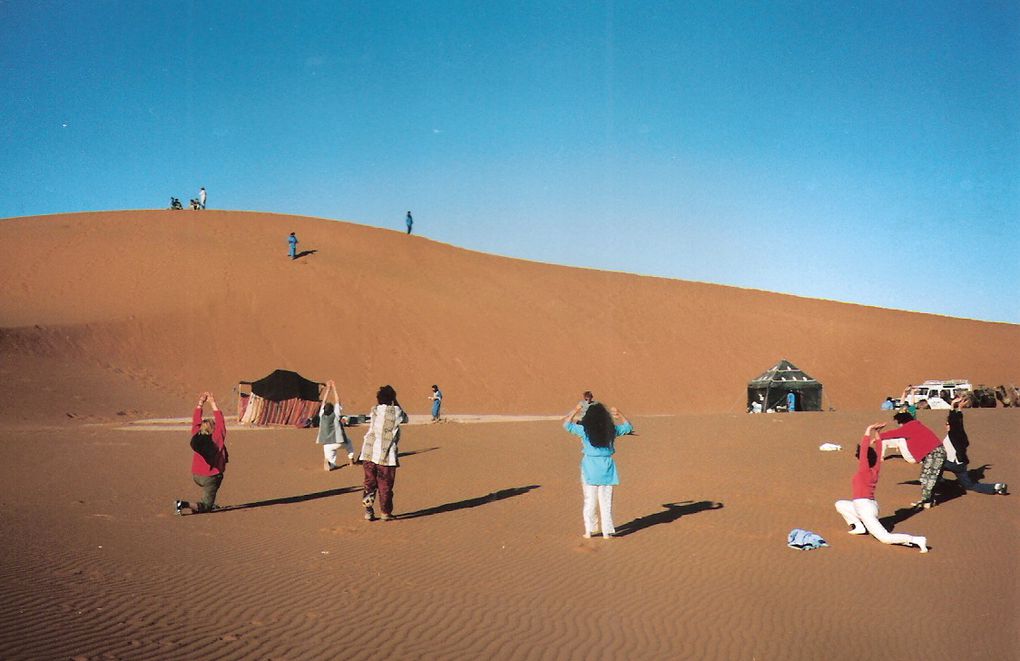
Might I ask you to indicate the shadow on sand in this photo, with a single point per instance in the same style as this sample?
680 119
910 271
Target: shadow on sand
287 500
304 253
414 452
945 491
672 512
470 502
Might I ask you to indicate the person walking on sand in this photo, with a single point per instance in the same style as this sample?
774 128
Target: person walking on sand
956 443
409 221
209 455
916 442
598 430
331 435
292 241
861 513
379 453
201 197
437 402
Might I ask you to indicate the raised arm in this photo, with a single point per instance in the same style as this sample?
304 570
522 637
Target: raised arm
196 415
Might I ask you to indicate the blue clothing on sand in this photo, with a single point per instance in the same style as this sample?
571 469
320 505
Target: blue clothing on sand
791 402
292 240
804 540
597 465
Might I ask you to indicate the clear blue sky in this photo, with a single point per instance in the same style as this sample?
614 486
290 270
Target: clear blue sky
865 152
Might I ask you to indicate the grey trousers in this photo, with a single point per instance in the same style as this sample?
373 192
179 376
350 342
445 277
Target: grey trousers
210 485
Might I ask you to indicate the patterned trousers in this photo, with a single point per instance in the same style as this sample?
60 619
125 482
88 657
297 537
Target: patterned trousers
931 471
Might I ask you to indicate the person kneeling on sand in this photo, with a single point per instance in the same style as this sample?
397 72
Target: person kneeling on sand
861 513
915 442
209 455
331 429
379 453
598 470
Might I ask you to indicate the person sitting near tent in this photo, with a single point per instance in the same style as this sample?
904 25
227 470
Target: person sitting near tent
209 455
956 443
379 453
331 429
791 402
913 440
861 513
888 404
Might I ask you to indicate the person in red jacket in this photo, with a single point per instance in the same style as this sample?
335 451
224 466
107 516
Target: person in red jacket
209 455
917 444
861 513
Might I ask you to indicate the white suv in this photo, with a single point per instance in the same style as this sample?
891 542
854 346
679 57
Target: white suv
936 394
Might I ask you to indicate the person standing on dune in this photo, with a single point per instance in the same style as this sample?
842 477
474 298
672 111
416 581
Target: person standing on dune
861 513
409 221
209 455
292 242
598 433
201 197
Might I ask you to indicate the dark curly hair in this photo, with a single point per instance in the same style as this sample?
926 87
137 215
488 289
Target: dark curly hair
598 426
386 395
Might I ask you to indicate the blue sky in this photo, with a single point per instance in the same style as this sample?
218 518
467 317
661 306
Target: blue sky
863 152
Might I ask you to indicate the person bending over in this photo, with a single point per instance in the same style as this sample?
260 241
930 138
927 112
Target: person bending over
916 443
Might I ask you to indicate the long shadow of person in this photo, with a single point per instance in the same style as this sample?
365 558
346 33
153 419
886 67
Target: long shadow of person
470 502
305 253
414 452
672 512
287 500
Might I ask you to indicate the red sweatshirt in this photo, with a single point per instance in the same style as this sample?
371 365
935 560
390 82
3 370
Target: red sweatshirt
920 439
219 437
866 478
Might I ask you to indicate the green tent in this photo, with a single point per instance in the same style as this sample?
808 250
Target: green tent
772 387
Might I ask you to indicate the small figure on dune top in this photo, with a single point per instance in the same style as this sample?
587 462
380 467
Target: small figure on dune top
292 241
201 197
410 222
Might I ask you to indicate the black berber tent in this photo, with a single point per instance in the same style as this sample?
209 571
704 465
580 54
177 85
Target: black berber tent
784 377
284 384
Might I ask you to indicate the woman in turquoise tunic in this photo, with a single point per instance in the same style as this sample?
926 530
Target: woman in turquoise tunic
598 430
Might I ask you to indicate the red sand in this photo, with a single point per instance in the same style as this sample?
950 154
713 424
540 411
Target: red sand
108 318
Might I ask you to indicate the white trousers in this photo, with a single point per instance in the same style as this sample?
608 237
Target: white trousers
900 445
600 496
329 450
864 512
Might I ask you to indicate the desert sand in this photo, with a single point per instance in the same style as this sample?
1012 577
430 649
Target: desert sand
111 320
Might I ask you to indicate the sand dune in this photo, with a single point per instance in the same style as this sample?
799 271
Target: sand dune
112 318
167 302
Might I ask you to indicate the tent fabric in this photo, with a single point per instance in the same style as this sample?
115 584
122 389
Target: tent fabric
284 384
782 378
255 410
